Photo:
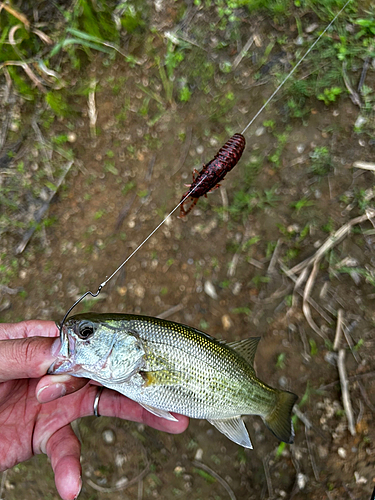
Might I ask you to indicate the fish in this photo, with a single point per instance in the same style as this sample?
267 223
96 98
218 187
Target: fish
168 367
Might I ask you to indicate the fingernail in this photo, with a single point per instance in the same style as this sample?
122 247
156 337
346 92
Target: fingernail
51 392
80 487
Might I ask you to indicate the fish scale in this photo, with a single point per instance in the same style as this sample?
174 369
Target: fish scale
169 367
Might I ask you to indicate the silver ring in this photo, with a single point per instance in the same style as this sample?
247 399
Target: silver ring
96 401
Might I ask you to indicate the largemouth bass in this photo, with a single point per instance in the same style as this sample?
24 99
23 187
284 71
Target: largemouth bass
169 367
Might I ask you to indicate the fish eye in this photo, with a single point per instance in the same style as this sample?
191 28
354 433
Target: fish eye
86 330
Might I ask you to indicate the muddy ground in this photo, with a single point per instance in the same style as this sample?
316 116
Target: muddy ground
222 269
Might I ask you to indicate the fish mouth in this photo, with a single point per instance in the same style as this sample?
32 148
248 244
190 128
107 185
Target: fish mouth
60 365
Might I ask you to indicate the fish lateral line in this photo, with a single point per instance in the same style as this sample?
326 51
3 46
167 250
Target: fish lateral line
199 181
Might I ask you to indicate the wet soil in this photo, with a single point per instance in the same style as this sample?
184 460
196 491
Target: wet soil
212 270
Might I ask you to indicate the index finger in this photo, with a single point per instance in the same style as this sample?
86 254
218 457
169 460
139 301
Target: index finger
31 328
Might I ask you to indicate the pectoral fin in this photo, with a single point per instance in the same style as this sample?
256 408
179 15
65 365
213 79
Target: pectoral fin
234 429
159 413
161 377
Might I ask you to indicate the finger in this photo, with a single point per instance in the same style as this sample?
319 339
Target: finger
52 387
25 358
64 449
113 404
31 328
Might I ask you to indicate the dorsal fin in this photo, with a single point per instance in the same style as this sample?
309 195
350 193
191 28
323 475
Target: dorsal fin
246 348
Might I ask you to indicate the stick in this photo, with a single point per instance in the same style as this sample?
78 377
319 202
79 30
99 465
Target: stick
336 343
242 54
214 474
364 165
345 391
268 476
332 241
306 296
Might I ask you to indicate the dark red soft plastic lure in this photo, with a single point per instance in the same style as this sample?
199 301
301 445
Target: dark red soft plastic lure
211 174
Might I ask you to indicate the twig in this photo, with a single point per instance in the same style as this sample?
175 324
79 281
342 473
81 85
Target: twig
306 296
93 115
170 311
224 199
242 54
40 213
184 150
364 165
349 341
332 241
363 74
345 391
365 397
353 378
274 258
214 474
352 93
42 142
127 484
150 168
336 343
268 476
302 417
311 455
302 334
310 300
233 264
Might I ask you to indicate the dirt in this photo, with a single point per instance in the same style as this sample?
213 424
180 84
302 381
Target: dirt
97 224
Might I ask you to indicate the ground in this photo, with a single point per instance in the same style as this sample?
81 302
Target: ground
124 139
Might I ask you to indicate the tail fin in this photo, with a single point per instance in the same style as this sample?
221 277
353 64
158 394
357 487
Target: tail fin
279 419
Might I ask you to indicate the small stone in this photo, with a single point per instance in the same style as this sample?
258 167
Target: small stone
72 137
360 121
210 290
312 27
341 452
260 131
226 321
299 40
121 290
301 480
108 436
359 479
300 148
199 455
200 150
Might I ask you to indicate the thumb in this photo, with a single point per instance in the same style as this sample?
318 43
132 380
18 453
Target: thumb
25 358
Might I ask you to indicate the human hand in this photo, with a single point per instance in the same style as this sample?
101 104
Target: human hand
33 416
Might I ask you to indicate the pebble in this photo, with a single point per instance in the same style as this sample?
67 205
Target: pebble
210 290
260 131
301 480
72 137
200 150
341 452
199 455
108 436
226 321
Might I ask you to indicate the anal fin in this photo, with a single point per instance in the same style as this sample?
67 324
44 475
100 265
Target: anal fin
234 429
159 413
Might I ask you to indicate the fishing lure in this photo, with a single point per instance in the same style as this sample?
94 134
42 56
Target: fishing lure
211 174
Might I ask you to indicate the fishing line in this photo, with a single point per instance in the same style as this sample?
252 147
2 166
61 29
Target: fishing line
188 195
293 70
